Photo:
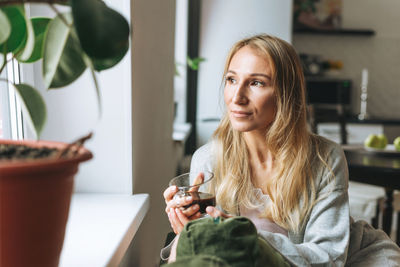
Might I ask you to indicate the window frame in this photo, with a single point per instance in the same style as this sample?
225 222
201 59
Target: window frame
12 118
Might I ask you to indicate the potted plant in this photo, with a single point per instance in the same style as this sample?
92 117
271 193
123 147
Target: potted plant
36 177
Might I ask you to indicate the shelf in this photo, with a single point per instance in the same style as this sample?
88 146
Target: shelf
359 32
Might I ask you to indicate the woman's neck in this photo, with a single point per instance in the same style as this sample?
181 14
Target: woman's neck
259 151
261 158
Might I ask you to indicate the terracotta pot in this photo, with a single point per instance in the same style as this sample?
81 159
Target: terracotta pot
34 205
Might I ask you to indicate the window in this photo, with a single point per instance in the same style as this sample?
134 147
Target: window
4 107
181 28
10 108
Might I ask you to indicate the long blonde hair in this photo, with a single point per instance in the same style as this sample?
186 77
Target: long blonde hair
293 147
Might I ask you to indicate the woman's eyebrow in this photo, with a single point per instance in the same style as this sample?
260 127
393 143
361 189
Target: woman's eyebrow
261 74
252 74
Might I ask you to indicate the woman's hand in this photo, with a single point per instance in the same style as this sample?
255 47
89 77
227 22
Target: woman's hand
178 216
214 212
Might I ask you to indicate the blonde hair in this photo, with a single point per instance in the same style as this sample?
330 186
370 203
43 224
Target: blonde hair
293 147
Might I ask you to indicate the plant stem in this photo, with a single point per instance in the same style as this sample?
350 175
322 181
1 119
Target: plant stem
73 148
60 15
5 80
96 85
89 63
4 65
5 62
4 57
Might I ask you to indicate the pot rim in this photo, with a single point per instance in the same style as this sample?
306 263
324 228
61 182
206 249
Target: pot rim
83 155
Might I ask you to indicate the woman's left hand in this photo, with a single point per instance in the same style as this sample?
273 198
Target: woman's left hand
214 212
178 219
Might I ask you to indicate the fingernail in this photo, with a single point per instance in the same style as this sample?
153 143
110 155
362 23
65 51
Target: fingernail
171 210
176 210
195 207
188 198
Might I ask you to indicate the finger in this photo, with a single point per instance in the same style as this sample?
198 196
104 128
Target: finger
178 202
182 201
191 210
170 205
199 180
169 193
195 216
183 219
175 224
171 222
178 225
214 212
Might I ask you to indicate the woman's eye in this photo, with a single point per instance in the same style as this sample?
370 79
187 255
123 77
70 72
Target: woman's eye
230 80
258 83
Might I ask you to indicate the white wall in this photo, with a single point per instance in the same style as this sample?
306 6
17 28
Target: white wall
73 112
223 24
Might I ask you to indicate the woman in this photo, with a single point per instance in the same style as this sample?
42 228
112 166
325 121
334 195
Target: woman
268 167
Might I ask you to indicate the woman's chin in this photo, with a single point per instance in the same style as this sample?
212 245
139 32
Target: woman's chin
242 127
248 127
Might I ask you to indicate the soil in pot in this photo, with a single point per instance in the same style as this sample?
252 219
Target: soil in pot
23 152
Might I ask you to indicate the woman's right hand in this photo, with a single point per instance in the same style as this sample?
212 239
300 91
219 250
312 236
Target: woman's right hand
178 216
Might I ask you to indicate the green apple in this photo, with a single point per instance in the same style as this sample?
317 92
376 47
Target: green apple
383 141
396 143
372 141
396 164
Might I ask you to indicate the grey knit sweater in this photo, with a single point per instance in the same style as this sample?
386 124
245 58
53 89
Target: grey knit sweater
329 237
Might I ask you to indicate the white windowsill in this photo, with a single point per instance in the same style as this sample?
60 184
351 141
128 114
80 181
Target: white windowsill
100 228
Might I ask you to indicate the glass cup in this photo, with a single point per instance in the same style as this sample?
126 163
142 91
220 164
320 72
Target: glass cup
187 188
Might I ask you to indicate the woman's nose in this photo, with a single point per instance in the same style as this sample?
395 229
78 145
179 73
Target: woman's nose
239 96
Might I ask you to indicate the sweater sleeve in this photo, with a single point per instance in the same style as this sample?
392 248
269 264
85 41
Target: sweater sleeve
201 161
327 230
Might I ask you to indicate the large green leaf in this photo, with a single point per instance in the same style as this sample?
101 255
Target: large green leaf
17 38
34 106
103 64
5 29
103 32
62 56
39 28
29 44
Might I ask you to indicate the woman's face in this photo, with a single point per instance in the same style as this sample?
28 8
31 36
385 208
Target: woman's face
249 95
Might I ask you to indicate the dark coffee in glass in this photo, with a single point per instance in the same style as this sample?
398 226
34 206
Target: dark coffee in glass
202 199
189 184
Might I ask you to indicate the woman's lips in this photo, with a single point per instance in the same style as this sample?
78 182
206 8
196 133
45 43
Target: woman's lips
240 114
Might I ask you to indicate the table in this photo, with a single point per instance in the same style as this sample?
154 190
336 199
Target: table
376 168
